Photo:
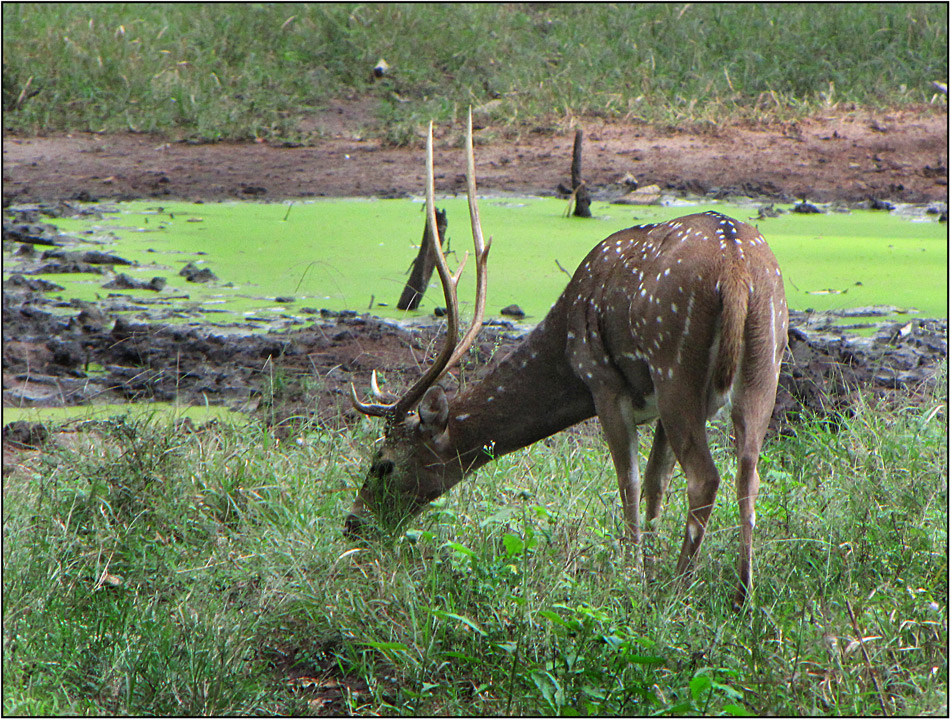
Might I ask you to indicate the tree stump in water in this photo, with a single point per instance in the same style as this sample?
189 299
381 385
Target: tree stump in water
422 266
581 194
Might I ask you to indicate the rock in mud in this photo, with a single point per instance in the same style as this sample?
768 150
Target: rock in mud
37 285
123 282
65 353
512 311
806 208
37 233
67 267
194 274
91 257
25 435
91 318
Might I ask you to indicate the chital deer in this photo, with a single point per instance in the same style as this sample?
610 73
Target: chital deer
662 321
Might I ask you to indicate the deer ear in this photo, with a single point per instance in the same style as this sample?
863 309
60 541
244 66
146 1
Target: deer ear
434 411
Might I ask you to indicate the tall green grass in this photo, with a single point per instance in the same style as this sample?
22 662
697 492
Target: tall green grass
153 569
218 71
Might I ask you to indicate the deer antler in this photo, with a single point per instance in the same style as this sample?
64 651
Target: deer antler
481 257
452 350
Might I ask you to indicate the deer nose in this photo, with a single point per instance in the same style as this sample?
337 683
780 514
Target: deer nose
353 526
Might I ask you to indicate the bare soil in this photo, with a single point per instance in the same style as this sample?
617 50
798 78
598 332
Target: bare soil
899 156
850 157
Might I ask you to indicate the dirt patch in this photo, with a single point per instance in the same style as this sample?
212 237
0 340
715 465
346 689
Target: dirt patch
854 156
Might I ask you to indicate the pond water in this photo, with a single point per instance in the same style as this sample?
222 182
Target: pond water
279 263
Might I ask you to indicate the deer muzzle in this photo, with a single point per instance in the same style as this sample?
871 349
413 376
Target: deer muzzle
354 526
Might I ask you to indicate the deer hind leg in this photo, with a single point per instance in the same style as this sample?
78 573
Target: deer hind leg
656 480
684 423
751 411
615 411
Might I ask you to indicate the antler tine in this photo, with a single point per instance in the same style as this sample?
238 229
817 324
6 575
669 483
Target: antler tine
449 284
481 255
373 410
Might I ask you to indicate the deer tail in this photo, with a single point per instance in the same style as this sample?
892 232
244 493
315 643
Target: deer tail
734 291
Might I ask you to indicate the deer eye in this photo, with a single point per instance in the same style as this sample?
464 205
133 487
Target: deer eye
382 468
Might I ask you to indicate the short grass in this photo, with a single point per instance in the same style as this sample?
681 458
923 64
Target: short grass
235 71
149 570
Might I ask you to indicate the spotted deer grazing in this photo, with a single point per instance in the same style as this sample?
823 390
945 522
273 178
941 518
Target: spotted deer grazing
665 321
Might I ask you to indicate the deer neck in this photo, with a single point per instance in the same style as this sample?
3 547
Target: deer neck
530 395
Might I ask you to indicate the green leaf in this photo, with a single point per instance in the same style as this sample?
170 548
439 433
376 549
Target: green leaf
461 655
550 689
727 690
554 617
460 549
641 659
736 710
513 544
416 535
698 686
502 516
387 649
458 618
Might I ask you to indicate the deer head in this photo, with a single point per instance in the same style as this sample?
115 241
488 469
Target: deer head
416 461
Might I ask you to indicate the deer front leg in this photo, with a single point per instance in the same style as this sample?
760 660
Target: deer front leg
616 415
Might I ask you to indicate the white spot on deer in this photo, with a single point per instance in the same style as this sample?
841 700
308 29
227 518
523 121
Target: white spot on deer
674 308
462 417
491 398
692 528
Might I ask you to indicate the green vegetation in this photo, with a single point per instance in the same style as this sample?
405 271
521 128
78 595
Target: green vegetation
214 71
263 251
78 414
149 570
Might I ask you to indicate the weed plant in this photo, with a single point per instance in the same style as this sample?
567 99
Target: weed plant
154 568
233 71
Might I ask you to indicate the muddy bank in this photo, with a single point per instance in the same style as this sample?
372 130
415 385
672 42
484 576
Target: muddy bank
87 356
